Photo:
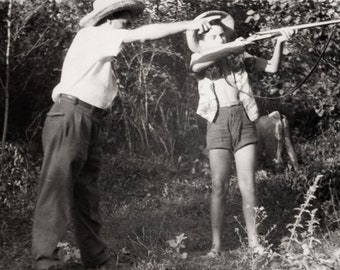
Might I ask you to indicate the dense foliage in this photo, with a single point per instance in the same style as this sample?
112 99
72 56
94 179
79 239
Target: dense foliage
155 112
165 180
156 109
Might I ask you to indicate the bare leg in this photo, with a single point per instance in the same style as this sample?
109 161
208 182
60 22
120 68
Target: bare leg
220 164
245 164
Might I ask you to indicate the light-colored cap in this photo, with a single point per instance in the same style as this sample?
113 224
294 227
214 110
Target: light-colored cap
227 22
103 8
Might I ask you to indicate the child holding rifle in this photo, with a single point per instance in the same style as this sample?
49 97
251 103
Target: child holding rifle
227 102
72 137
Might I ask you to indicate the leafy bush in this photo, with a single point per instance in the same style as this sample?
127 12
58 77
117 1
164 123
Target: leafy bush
18 176
158 93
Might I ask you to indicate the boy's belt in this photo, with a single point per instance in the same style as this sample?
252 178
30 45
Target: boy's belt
232 105
84 104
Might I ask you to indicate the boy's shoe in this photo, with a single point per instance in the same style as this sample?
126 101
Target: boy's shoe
213 253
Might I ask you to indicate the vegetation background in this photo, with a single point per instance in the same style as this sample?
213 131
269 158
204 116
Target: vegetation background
156 184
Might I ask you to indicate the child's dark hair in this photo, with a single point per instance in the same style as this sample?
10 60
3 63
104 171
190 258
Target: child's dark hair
228 32
112 16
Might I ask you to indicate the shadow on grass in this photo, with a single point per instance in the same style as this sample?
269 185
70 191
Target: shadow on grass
15 239
145 205
142 213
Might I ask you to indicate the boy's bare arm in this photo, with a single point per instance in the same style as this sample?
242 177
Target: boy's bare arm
273 64
198 67
206 58
160 30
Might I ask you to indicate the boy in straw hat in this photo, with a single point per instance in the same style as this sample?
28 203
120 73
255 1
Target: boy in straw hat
72 137
227 102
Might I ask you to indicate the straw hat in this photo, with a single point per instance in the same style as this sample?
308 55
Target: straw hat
103 8
226 21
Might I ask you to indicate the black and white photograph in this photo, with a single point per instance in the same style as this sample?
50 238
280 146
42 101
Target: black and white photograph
170 134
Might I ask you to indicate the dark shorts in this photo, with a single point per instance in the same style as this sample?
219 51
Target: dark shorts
231 130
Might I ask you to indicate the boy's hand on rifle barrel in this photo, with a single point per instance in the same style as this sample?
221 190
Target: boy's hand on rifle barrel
202 25
286 34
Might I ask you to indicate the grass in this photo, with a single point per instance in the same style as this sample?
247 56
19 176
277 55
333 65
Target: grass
157 217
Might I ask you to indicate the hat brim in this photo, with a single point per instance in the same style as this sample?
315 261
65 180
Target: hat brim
226 21
91 19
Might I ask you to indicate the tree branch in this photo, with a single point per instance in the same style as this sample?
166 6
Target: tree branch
332 65
27 19
8 72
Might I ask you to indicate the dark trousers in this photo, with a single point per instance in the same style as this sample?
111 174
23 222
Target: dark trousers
68 189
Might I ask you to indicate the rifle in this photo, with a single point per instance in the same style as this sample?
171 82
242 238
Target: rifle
277 32
238 45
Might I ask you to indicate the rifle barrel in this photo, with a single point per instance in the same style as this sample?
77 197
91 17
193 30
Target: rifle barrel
301 26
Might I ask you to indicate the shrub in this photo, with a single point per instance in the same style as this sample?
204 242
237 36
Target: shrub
17 175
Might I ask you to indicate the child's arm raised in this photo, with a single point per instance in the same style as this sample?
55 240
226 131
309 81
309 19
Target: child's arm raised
204 59
273 64
160 30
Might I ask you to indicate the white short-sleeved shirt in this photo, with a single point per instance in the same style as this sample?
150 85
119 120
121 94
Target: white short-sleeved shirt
86 72
210 91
